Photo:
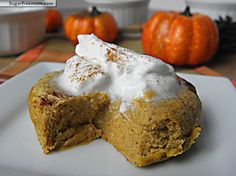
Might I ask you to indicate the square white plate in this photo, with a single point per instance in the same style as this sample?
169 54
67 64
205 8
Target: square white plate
20 153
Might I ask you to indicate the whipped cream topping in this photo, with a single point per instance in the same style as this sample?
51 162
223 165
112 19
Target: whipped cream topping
121 73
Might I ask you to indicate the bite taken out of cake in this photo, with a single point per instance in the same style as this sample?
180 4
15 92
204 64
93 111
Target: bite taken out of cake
135 102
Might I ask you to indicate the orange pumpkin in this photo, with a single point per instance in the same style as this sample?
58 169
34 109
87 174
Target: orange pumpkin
53 20
102 24
180 39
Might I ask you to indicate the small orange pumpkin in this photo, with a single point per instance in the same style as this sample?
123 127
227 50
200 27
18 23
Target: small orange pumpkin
180 39
102 24
53 20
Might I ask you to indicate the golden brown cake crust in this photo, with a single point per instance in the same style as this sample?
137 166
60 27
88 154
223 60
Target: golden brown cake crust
144 134
58 117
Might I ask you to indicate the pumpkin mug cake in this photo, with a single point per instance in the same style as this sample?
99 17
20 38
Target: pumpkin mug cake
133 101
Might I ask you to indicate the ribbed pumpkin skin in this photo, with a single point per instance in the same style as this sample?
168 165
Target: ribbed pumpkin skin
179 39
103 26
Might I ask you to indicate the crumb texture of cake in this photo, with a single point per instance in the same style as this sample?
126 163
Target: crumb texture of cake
60 120
140 107
152 132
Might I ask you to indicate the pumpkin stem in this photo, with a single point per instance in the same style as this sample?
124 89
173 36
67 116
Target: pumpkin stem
187 12
95 12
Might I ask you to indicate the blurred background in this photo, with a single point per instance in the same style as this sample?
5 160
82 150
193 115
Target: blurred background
65 5
29 35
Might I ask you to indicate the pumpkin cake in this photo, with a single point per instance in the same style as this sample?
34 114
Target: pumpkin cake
133 101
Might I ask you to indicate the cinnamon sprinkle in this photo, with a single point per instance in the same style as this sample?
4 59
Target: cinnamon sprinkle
86 71
112 55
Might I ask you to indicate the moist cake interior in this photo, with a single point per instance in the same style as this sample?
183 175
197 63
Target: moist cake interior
144 134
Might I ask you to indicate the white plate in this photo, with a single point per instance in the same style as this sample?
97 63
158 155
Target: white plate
20 153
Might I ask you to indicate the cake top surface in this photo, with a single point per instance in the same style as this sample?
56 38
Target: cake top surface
121 73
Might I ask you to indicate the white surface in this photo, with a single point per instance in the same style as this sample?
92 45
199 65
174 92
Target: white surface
68 7
167 5
68 4
154 4
130 76
20 29
214 1
112 1
125 12
213 154
19 10
214 8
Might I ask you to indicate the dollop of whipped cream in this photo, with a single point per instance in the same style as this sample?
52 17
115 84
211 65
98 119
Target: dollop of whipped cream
121 73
